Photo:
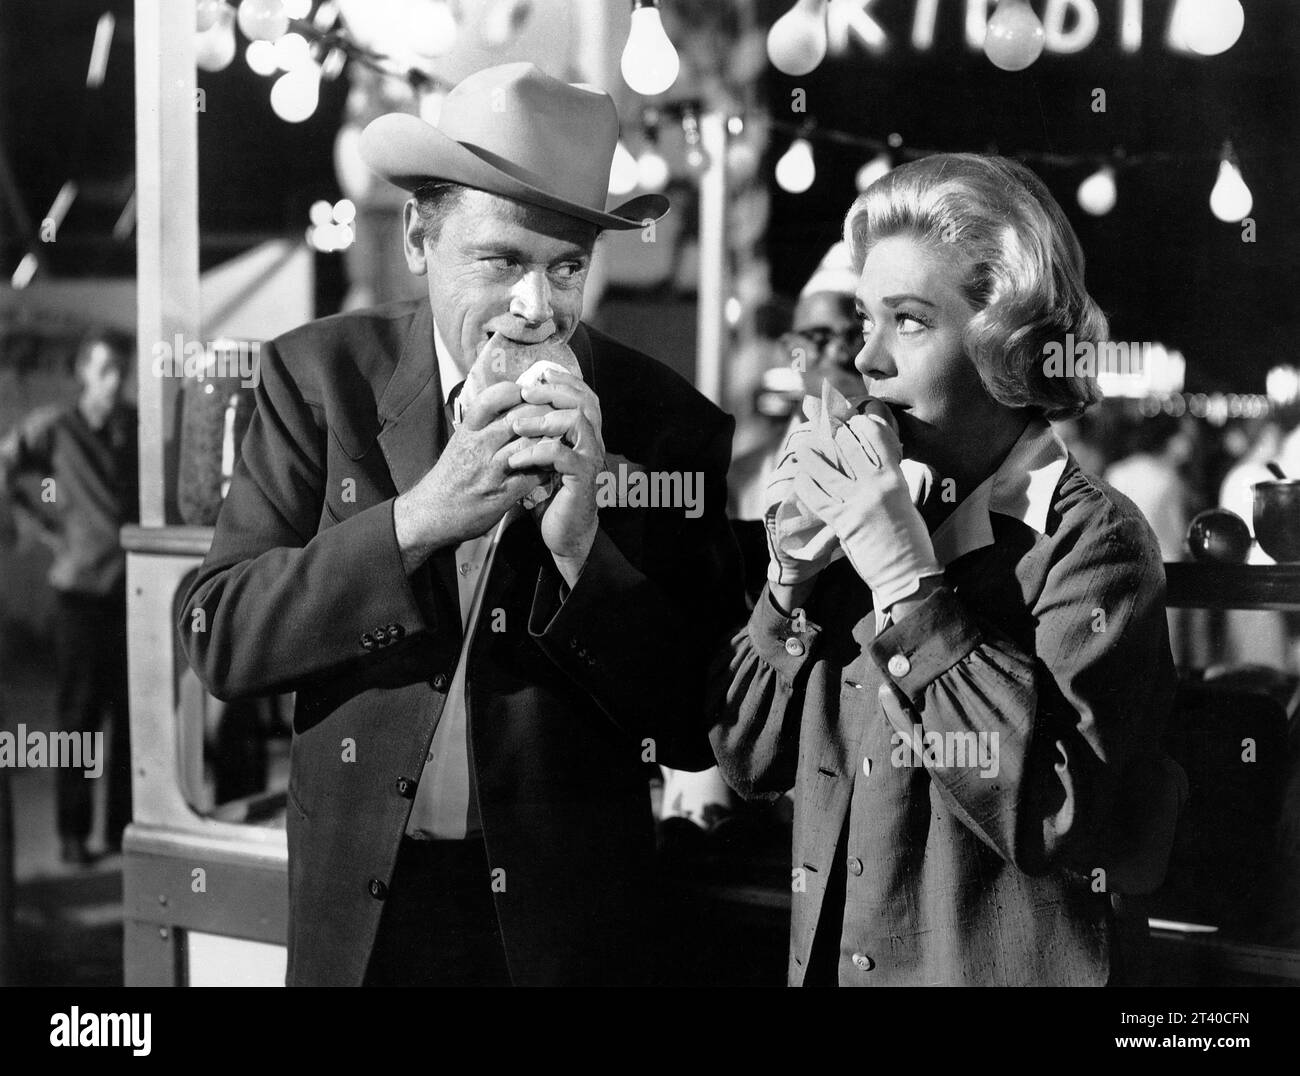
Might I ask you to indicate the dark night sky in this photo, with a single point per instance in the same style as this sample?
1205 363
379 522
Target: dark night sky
1160 264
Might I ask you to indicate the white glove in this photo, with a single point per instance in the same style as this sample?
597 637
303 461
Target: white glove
854 481
799 544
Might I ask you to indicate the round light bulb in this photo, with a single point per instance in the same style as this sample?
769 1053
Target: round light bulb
263 20
431 27
216 47
697 160
796 44
651 171
649 63
1015 36
297 9
319 214
1230 200
1209 27
207 13
622 171
260 56
295 94
796 170
876 168
344 211
292 52
1097 193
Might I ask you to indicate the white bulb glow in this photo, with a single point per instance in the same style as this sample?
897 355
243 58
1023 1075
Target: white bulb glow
292 52
503 20
207 13
622 171
320 212
297 9
651 171
732 311
216 47
260 56
295 94
796 169
1097 193
431 27
344 211
796 44
263 20
876 168
650 62
1230 200
1209 27
1015 36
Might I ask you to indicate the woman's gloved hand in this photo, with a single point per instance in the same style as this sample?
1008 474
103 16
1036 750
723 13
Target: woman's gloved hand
851 477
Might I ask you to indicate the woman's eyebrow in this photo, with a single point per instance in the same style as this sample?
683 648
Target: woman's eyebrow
893 300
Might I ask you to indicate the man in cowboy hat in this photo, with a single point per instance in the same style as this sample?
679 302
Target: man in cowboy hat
479 686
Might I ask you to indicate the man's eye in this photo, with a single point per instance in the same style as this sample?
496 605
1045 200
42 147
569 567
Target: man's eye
567 271
503 261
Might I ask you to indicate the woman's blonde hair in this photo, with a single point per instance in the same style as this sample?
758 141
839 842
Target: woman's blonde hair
1024 268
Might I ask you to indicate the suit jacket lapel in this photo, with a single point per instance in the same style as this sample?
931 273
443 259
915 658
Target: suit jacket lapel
412 436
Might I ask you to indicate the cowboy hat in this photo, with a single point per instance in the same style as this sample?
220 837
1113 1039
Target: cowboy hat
513 130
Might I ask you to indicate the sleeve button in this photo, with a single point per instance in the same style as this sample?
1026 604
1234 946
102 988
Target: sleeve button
899 665
863 962
395 632
378 890
381 636
794 647
440 682
406 788
367 641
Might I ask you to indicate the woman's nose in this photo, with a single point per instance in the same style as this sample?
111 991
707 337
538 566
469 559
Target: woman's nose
874 360
530 299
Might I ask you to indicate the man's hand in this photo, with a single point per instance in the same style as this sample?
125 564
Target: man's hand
572 416
471 487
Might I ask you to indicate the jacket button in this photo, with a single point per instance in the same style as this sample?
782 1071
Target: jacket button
440 682
863 962
866 767
855 865
406 787
367 640
899 665
379 891
794 647
573 644
395 632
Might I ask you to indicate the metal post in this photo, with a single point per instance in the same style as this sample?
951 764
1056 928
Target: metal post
710 333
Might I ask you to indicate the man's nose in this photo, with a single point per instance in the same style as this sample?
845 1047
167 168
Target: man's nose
530 299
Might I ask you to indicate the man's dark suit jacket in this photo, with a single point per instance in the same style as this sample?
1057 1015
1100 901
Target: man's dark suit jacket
304 590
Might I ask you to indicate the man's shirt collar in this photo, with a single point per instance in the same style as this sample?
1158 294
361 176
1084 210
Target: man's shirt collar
449 374
1023 488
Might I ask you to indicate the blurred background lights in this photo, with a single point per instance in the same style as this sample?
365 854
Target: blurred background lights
649 63
622 171
260 56
796 44
296 93
796 169
1230 200
332 226
1097 193
876 168
1015 36
431 27
263 20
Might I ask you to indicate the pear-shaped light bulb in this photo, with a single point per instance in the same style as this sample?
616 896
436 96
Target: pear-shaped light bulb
1230 200
796 44
215 47
1209 27
1097 193
796 169
261 57
263 20
206 14
295 94
650 62
1014 38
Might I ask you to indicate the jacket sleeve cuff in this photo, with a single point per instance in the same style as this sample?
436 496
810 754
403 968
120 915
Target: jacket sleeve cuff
933 638
783 642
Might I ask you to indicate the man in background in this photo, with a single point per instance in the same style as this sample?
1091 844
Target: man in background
73 470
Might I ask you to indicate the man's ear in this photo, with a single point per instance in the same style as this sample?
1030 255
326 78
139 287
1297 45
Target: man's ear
417 259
